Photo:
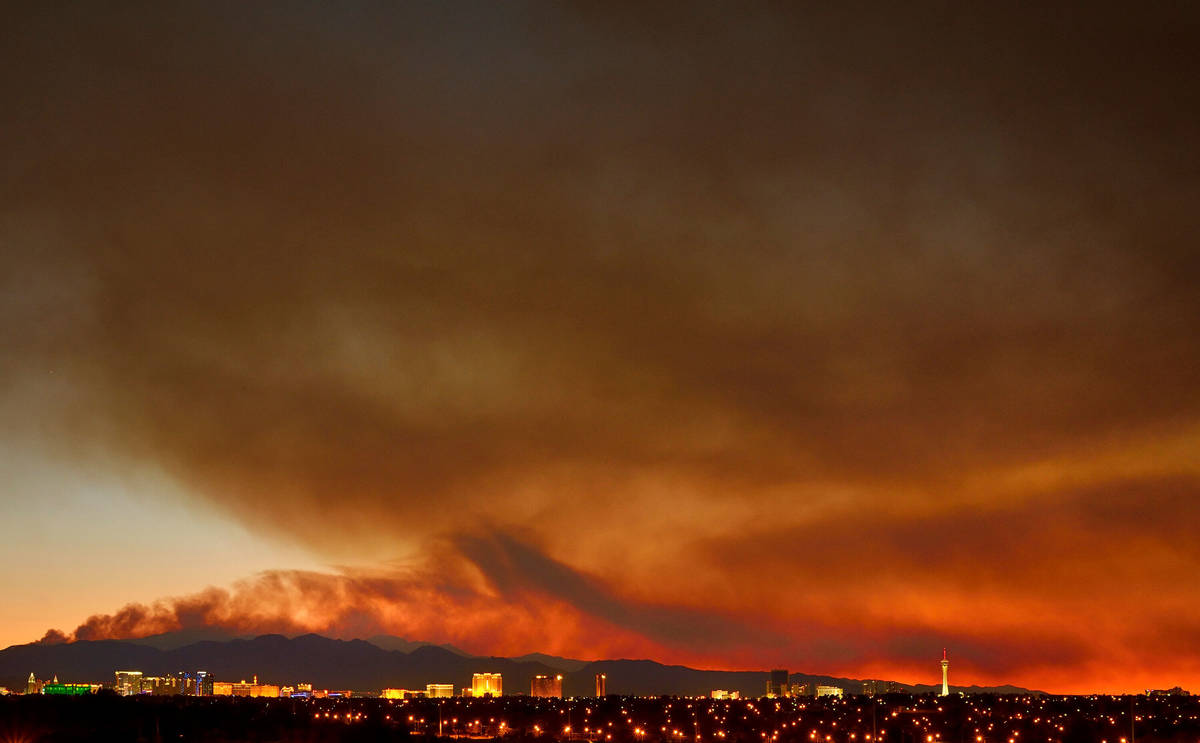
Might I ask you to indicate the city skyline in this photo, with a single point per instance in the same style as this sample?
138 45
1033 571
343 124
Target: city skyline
729 337
490 685
269 666
482 684
392 673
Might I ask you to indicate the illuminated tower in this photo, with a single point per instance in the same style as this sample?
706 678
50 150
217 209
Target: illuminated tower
483 684
778 685
601 684
546 686
945 676
129 683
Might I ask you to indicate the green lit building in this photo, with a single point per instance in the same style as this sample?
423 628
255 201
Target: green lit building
67 690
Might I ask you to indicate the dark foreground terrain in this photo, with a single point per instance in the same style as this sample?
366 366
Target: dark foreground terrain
887 719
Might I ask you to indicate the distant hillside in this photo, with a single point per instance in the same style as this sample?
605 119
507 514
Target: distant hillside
391 642
566 665
183 638
365 666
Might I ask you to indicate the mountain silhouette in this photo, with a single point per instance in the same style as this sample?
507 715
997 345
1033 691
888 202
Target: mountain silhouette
364 666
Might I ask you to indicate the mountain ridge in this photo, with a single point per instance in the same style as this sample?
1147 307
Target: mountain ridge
362 665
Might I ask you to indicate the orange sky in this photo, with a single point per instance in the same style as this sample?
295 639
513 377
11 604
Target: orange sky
823 339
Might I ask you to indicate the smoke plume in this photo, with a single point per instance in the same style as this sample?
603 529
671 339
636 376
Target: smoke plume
826 337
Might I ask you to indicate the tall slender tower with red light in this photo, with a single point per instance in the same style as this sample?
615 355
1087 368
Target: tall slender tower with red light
945 674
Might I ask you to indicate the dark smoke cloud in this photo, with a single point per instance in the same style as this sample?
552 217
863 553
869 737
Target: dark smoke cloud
768 332
527 600
54 637
442 602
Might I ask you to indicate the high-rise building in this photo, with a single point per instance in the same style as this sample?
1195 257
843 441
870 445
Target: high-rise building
945 674
193 684
437 691
33 686
601 684
401 694
187 683
876 687
546 686
129 683
777 685
162 685
487 683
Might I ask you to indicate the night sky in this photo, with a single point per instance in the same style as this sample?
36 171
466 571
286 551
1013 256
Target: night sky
734 335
